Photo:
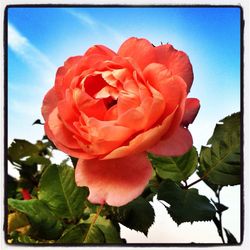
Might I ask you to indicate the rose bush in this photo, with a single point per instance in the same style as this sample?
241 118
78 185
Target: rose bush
109 109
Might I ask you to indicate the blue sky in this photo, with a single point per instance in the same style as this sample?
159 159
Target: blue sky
40 39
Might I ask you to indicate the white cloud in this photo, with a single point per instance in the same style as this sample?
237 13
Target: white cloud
25 98
96 26
83 17
27 51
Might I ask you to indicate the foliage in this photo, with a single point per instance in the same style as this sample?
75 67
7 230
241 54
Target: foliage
46 207
221 161
186 205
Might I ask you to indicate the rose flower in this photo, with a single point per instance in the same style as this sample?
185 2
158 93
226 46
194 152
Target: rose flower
109 109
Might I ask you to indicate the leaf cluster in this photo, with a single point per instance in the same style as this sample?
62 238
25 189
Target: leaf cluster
58 212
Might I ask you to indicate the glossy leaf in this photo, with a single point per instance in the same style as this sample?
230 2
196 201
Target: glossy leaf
82 233
43 221
138 215
220 163
58 190
176 168
186 205
108 229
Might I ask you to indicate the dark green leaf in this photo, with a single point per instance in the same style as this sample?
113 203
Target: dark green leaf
186 205
44 223
21 148
230 237
38 121
220 207
176 168
138 215
23 152
11 186
58 190
74 161
220 163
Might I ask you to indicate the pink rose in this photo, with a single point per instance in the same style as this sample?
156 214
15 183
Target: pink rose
109 109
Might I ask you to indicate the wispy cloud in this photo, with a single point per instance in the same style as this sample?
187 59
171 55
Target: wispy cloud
27 51
83 18
87 20
25 98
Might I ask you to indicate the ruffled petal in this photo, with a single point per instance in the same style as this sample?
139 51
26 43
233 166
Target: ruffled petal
65 74
60 136
192 107
100 50
49 103
178 144
115 182
172 87
141 50
144 140
177 61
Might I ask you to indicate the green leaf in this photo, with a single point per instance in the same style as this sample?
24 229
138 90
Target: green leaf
220 163
138 215
220 207
186 205
11 186
23 152
176 168
17 221
108 229
82 233
37 121
43 221
230 237
74 161
26 239
58 190
21 148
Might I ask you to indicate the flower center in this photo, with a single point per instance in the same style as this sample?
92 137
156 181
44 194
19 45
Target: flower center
109 102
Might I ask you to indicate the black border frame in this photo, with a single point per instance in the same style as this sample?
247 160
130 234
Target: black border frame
5 41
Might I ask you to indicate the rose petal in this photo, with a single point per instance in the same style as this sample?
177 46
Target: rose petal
60 84
192 107
144 140
126 101
173 88
60 132
178 144
177 61
115 182
60 136
141 50
87 105
100 50
49 103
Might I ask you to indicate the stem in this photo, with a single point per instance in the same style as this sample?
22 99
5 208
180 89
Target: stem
197 181
94 220
193 183
220 228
